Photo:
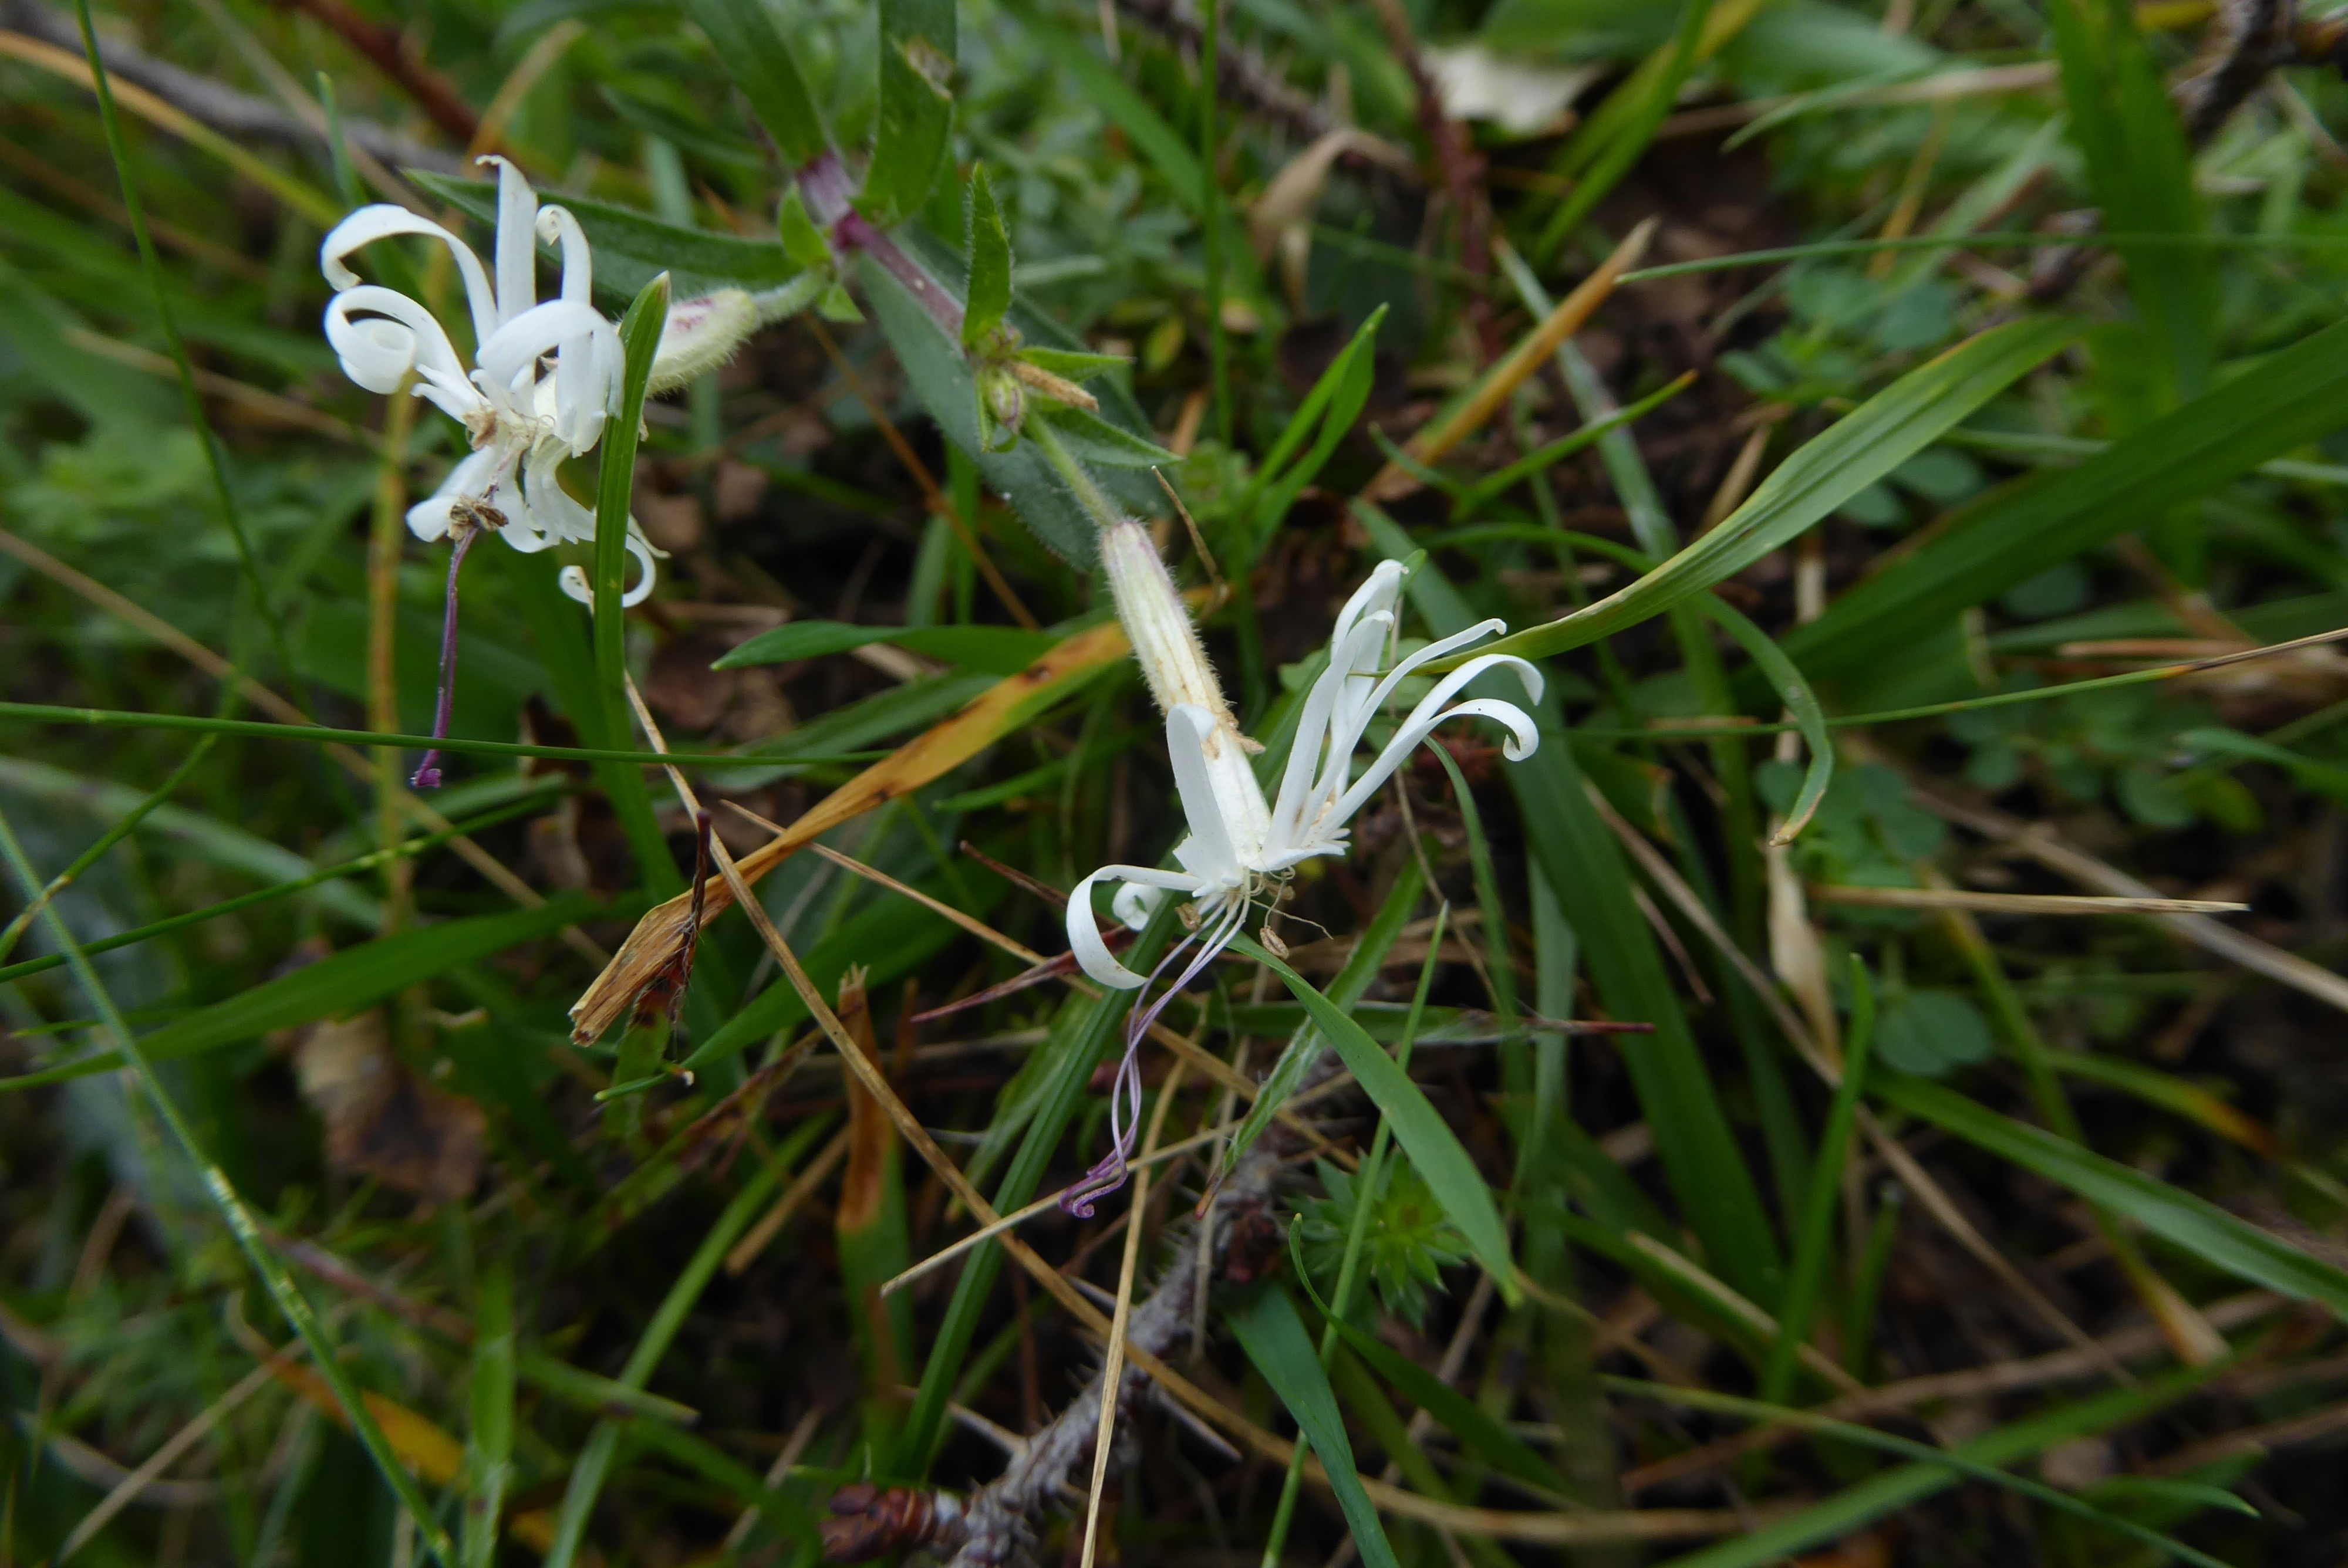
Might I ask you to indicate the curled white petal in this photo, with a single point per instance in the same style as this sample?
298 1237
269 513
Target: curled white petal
380 335
574 582
559 227
517 244
1092 954
514 349
1133 904
382 222
1430 713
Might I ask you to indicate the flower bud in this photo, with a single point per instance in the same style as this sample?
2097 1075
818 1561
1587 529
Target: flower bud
1006 405
1165 641
700 335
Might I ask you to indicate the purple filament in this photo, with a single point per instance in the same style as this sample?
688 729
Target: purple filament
1125 1089
427 772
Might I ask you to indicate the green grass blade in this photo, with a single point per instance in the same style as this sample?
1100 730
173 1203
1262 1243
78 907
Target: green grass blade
639 335
2191 1224
489 1443
1854 1508
594 1463
1924 1454
406 848
1574 850
1873 439
2284 401
1305 1044
1269 1329
255 1246
1814 1243
224 494
1800 701
1434 1149
319 734
1094 1029
352 979
1478 1433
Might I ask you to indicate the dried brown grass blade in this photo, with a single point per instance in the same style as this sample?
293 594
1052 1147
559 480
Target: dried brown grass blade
1985 903
1113 1368
1393 482
1010 703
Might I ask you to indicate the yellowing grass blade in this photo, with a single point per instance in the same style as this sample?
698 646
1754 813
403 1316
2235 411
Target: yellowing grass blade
1010 703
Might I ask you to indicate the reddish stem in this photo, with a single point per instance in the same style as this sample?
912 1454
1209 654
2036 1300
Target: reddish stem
427 772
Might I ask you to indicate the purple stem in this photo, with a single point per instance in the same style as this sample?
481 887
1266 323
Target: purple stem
824 185
427 772
1124 1118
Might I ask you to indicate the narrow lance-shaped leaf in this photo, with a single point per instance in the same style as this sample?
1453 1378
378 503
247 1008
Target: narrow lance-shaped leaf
639 335
1572 844
488 1442
1873 439
631 247
917 68
990 264
755 56
1273 1336
1434 1149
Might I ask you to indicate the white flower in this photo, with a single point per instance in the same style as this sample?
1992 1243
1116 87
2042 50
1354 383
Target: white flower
523 416
1241 848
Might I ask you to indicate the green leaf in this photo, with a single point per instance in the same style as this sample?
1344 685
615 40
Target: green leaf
350 981
1631 114
2192 1224
1077 365
917 67
2141 171
2285 401
1571 843
1158 142
992 649
1869 443
1856 1507
990 264
1801 706
1305 1042
631 248
1081 1037
1932 1033
1273 1336
1336 399
1090 436
754 53
1769 1410
489 1442
639 335
1478 1431
941 377
1424 1135
803 242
